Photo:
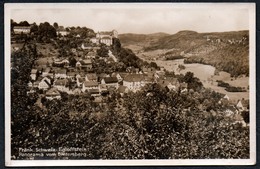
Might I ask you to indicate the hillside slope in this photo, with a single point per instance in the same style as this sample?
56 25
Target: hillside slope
228 51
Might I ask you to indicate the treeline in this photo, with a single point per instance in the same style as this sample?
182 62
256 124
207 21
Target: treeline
230 88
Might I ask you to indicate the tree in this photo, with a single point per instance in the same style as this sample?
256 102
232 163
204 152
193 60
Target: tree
34 29
24 23
55 25
154 65
47 31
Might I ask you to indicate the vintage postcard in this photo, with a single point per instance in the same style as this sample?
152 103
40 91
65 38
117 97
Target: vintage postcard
116 84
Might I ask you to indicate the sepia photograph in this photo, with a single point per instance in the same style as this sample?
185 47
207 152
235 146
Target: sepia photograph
101 84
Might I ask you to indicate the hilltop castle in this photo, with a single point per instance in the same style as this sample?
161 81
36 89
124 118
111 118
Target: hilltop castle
105 37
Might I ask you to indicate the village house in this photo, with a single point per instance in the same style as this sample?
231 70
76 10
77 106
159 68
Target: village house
61 62
61 85
85 64
33 74
71 75
226 97
47 72
36 84
30 84
94 92
231 110
102 76
103 88
61 73
45 83
120 76
53 93
91 77
110 82
22 29
80 81
243 104
89 85
134 82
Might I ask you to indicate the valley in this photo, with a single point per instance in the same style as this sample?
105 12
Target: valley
201 53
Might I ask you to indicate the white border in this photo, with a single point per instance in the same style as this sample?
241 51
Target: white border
252 56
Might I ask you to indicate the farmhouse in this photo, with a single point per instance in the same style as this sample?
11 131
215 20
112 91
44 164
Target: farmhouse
34 74
89 85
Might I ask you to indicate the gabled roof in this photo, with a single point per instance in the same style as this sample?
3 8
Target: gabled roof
61 82
134 78
110 80
91 76
94 91
86 62
245 103
90 84
53 92
232 108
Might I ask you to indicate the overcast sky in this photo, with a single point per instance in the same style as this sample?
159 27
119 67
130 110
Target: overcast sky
139 18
